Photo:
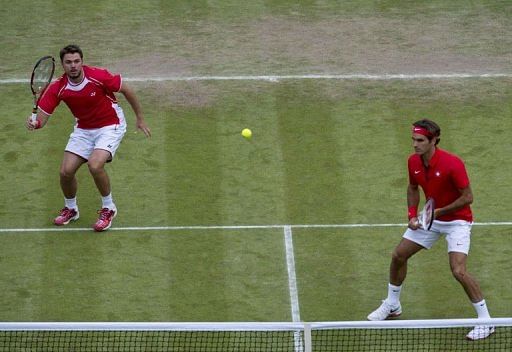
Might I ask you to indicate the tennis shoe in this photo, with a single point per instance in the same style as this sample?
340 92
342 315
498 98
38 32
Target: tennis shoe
385 311
480 332
105 219
65 216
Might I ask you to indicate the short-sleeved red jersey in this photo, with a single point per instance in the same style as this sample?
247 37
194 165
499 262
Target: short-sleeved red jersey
92 102
442 180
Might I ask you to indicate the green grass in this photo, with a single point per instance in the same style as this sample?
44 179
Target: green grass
355 266
322 152
314 159
234 37
144 276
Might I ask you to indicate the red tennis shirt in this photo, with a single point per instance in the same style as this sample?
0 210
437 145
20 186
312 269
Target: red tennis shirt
443 179
92 101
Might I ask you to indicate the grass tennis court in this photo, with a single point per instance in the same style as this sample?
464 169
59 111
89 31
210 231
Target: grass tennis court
323 152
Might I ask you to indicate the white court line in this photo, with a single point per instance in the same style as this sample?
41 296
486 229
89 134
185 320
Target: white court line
224 227
355 76
277 78
292 286
292 278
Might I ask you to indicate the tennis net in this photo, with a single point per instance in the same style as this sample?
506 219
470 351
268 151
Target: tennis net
399 335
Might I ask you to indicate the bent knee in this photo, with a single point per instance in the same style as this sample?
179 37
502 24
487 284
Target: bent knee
459 273
95 166
398 257
66 173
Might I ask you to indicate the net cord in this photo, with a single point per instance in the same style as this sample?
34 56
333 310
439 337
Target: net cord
250 326
411 324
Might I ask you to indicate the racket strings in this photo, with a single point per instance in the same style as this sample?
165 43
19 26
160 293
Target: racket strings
42 75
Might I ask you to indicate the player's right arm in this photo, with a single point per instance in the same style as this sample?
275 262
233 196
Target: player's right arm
47 104
40 121
413 200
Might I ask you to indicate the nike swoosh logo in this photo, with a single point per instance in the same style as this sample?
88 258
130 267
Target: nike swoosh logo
393 310
416 172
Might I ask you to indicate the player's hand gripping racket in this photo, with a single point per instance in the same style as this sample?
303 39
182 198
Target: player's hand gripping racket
427 214
41 77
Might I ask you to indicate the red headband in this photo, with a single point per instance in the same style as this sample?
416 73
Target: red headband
421 130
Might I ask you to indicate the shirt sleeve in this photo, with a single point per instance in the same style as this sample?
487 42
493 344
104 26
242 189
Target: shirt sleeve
459 174
410 167
112 82
50 98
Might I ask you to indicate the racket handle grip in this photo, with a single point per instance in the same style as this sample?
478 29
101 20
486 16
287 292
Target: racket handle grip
33 117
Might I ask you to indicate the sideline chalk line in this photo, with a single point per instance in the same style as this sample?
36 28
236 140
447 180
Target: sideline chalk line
277 78
225 227
292 277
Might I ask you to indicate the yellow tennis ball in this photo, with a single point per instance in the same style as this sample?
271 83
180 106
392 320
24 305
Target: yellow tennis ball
247 133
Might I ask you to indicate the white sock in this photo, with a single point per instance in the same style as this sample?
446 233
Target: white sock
394 294
107 202
481 309
70 203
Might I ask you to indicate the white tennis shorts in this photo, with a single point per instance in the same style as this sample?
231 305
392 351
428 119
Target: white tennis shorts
82 142
458 235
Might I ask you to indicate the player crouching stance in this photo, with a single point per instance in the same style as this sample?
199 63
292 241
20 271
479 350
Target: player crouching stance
443 177
100 126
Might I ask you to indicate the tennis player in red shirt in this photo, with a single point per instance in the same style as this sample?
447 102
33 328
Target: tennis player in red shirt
100 126
443 177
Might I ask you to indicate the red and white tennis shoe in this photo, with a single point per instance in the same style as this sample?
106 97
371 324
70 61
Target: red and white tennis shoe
65 216
105 219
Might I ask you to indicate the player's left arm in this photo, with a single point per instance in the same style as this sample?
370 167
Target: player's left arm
413 199
129 94
465 198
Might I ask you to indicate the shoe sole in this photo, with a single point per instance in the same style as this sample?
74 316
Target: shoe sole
390 316
481 338
74 218
394 315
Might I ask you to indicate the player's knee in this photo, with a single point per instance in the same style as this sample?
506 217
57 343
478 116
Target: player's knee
66 174
95 167
459 273
398 257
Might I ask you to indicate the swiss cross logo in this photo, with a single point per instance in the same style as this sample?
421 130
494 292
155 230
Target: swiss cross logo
93 94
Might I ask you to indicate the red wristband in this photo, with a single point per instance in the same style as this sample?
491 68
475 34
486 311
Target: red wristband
412 212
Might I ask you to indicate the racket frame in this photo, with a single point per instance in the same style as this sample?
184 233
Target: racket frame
37 95
427 214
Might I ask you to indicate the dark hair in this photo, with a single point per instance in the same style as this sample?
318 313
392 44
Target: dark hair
430 126
71 49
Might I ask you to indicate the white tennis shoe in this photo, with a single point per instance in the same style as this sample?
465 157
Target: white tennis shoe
480 332
385 311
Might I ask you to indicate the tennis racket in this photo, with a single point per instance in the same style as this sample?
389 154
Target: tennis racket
427 214
41 77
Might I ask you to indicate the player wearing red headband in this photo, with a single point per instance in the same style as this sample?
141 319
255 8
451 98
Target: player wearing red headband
443 177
